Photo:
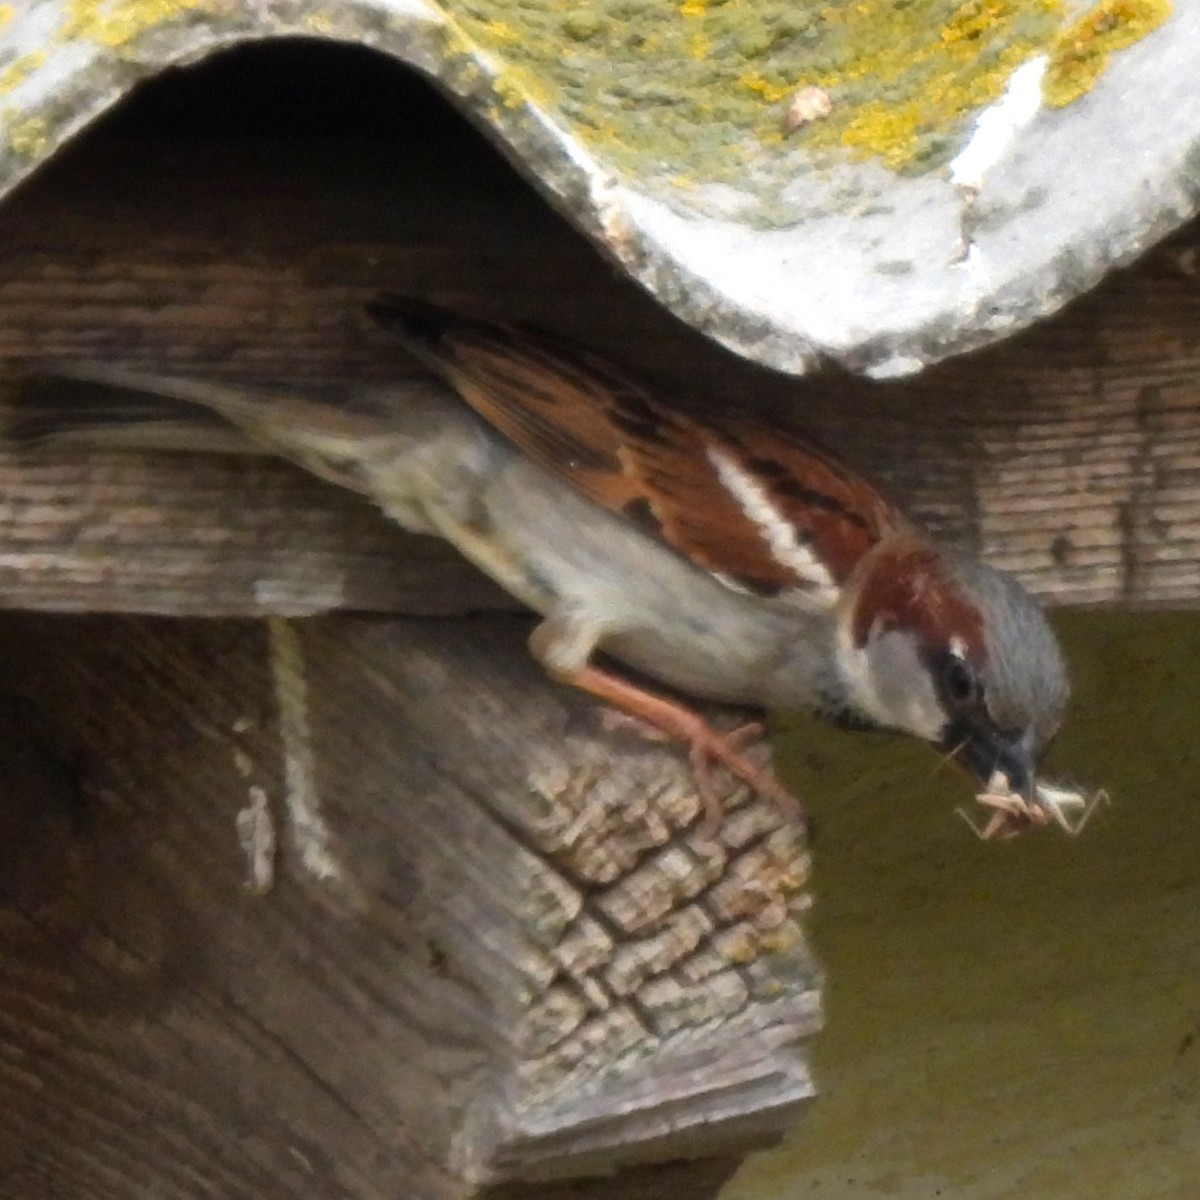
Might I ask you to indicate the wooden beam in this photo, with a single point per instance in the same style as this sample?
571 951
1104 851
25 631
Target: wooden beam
463 942
1070 454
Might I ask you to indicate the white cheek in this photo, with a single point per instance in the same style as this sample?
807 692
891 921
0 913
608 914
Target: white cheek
923 716
889 686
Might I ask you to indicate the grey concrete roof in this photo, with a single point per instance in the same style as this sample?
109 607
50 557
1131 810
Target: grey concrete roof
868 183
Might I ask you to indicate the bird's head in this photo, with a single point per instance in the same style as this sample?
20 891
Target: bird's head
938 645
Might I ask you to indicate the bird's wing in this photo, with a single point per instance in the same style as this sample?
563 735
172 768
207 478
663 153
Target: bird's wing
760 509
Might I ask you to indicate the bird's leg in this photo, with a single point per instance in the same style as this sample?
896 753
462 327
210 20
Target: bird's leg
614 720
557 644
706 744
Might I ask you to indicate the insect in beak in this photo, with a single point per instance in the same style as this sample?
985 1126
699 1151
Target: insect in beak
1012 813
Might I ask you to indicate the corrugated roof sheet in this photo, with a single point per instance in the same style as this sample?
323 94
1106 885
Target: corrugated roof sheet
876 184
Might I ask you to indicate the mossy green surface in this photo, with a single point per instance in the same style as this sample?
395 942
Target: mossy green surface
688 92
1018 1019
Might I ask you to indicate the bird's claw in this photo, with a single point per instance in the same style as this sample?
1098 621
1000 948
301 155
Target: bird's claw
707 746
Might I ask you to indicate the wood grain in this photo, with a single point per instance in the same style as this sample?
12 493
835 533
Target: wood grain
511 958
1070 454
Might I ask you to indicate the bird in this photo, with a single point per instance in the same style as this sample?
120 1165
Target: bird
671 555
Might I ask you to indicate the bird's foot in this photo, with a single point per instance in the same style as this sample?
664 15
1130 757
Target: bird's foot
707 746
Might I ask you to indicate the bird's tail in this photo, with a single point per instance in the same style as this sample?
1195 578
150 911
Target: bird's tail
321 428
100 407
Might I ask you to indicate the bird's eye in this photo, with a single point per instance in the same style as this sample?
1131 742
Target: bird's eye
959 680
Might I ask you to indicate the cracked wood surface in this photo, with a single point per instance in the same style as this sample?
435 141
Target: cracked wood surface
494 948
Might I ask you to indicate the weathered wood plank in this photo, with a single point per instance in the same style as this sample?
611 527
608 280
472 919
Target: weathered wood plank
211 536
494 945
1071 454
491 944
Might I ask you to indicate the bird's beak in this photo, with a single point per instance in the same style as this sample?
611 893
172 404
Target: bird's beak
985 750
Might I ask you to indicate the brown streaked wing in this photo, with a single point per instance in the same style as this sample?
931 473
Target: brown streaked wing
580 418
833 509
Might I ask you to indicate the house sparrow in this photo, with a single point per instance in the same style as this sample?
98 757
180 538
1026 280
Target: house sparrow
730 559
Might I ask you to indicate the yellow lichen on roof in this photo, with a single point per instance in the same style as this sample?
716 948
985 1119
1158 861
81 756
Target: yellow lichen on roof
114 23
26 136
693 89
20 69
905 82
686 93
321 23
